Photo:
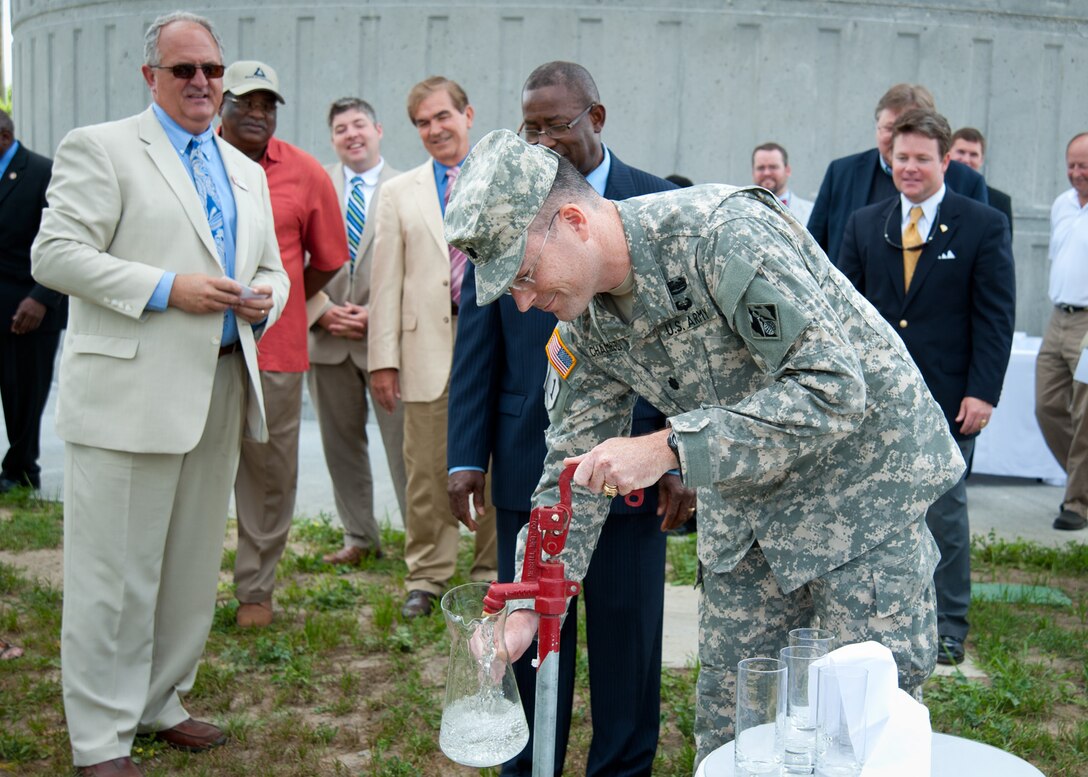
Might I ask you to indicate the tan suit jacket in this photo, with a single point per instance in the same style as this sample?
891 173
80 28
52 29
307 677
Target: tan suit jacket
411 323
346 286
132 380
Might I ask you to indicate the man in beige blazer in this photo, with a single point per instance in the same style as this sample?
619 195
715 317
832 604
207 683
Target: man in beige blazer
415 289
338 374
167 289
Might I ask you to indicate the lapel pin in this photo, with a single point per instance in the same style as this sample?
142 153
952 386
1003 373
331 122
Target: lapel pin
13 175
944 228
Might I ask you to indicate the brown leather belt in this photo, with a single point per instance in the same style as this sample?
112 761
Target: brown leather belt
227 350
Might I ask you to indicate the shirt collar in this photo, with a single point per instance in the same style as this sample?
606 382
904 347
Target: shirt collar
441 169
598 177
929 206
5 160
179 136
370 177
883 165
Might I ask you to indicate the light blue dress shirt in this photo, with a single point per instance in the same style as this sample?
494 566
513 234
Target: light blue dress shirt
179 138
5 160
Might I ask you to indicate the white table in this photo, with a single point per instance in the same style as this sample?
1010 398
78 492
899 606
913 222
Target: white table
951 757
1012 444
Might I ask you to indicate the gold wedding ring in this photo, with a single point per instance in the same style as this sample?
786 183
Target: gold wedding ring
610 490
983 422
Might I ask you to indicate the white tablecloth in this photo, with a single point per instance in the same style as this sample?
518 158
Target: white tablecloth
1012 444
952 757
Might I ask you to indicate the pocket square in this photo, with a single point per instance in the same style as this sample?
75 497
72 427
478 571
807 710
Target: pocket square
946 255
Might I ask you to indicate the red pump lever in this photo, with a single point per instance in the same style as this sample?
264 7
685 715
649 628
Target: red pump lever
544 581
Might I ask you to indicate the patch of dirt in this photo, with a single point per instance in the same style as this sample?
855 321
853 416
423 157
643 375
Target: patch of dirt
44 565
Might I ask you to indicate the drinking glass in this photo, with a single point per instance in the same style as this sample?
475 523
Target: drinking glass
840 720
800 728
761 716
821 638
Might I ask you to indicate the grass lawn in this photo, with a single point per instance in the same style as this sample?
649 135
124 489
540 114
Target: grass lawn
338 685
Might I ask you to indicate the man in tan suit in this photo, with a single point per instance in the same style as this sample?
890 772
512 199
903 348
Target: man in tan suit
338 376
415 290
167 288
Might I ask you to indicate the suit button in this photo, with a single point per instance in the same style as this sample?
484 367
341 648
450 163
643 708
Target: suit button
215 341
445 319
445 283
903 324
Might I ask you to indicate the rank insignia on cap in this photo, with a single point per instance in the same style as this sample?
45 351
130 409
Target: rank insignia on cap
763 318
560 357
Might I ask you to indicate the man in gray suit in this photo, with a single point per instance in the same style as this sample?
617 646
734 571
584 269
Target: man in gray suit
338 376
162 235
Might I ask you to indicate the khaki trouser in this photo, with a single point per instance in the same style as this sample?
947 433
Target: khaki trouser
430 530
339 395
264 493
143 538
1061 403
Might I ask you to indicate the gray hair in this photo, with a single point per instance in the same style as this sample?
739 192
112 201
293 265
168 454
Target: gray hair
151 37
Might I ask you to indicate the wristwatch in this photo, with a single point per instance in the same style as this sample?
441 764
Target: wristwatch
674 446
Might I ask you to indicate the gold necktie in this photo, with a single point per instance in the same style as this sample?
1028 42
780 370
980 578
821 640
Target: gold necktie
911 238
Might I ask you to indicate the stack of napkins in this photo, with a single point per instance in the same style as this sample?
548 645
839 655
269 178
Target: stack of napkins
898 735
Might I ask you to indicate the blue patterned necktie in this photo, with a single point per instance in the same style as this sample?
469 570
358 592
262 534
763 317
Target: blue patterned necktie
356 218
205 189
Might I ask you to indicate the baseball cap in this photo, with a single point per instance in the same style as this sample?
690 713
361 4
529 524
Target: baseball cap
501 188
249 75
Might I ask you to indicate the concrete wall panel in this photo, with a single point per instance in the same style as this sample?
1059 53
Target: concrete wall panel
690 86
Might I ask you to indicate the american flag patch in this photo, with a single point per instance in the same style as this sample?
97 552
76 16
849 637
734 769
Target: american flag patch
562 360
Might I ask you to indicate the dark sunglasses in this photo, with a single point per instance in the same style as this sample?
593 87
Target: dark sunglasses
187 70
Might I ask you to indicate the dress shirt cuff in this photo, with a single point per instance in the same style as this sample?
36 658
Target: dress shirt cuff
674 472
465 469
160 298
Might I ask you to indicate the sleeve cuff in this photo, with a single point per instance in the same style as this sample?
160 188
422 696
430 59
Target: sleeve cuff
160 298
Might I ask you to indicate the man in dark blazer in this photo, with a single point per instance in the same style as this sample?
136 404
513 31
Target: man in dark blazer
953 302
969 147
32 315
497 414
855 181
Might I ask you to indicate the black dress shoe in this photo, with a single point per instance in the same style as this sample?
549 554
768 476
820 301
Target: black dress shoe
1068 520
418 603
949 650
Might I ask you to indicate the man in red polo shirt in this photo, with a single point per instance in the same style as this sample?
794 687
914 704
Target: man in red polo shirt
307 216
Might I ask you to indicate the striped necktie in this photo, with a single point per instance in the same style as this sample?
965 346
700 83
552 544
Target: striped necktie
356 218
911 238
209 198
457 259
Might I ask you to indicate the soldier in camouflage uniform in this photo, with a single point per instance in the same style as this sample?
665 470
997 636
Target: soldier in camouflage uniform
795 410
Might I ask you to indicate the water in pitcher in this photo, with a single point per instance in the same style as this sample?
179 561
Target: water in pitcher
483 723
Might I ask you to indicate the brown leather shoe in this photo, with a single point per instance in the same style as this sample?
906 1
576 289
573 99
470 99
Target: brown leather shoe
418 603
192 735
118 767
351 555
254 614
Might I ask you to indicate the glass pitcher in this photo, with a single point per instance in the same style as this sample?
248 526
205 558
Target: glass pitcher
483 723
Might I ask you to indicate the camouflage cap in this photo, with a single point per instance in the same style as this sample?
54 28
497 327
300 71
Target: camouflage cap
499 192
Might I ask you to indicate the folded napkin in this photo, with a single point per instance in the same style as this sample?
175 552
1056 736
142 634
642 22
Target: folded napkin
897 731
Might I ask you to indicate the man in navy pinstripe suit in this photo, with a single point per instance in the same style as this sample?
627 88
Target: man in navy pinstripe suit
497 415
